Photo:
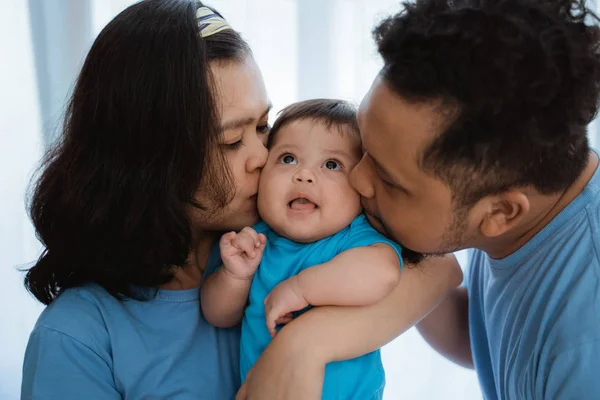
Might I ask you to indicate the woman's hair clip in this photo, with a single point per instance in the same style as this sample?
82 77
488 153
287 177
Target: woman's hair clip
210 22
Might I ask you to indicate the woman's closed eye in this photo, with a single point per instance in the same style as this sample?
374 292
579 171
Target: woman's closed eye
234 146
266 128
332 165
288 159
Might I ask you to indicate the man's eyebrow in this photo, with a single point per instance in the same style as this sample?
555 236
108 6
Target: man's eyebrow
241 122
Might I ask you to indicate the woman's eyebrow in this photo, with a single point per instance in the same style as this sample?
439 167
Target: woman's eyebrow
241 122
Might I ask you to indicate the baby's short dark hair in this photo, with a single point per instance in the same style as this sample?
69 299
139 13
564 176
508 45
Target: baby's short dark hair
335 114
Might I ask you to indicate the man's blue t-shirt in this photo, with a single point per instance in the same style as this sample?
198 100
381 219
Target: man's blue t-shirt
362 378
89 345
534 316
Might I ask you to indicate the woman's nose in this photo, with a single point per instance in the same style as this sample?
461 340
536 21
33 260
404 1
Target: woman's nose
361 178
258 156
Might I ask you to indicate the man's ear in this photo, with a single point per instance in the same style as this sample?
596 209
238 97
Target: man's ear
501 212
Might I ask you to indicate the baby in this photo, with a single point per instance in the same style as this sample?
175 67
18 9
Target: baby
313 245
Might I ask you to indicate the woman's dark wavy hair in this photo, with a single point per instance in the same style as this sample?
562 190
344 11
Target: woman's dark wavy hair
111 204
518 81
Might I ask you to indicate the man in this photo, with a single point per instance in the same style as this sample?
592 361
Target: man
475 137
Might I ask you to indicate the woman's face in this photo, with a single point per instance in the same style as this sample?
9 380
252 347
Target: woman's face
244 106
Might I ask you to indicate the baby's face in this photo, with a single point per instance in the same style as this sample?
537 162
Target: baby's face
304 193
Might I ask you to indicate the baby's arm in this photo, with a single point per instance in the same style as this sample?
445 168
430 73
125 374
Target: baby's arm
224 294
355 277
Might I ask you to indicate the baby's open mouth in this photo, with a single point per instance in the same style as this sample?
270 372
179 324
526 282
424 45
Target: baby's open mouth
302 204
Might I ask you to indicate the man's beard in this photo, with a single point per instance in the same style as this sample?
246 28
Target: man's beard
413 257
453 239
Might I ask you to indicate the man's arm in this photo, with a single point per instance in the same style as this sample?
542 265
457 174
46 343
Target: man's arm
446 329
419 291
293 365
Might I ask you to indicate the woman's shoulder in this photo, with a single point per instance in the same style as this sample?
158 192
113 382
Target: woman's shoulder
84 299
78 313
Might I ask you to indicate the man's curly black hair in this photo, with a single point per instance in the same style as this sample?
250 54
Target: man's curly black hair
522 77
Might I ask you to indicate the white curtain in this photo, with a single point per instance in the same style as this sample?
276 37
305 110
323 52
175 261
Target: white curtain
20 144
306 48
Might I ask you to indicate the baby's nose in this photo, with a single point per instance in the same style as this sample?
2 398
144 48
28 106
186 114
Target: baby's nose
305 176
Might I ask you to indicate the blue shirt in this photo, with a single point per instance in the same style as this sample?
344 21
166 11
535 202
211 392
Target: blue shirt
534 316
362 378
89 345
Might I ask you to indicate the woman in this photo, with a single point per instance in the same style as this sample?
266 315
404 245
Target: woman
162 148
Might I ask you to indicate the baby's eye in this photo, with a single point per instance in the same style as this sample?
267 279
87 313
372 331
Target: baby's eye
332 165
288 159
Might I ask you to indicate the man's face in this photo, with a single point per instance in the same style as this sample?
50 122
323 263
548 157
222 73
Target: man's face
413 207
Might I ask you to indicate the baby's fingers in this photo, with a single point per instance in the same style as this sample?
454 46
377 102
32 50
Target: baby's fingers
247 231
271 324
262 239
245 243
286 319
271 316
227 238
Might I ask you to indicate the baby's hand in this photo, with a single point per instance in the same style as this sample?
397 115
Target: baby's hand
281 302
241 252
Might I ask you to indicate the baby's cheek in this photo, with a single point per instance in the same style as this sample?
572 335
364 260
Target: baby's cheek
349 190
350 199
